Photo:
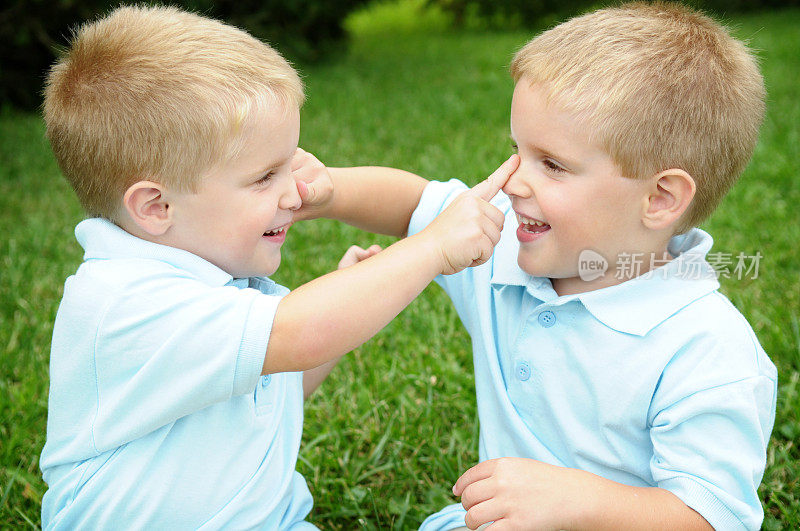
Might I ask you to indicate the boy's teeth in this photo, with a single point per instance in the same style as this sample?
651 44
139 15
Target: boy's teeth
274 232
527 221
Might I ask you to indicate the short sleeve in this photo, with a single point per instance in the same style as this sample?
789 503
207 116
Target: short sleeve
436 196
709 449
172 347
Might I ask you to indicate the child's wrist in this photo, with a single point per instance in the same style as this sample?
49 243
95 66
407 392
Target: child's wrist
588 509
429 252
328 209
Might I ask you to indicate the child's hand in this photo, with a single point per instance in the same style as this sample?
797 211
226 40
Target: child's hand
355 254
314 184
469 228
519 493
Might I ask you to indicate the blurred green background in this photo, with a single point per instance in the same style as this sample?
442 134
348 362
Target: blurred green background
32 31
420 85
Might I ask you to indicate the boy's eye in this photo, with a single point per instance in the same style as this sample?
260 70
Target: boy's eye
552 166
514 147
265 179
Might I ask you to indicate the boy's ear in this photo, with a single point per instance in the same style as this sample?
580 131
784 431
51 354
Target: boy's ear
671 194
147 207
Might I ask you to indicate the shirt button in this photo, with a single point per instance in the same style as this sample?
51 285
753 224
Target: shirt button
523 370
265 380
547 319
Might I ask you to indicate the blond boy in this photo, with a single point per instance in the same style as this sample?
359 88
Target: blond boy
610 397
178 370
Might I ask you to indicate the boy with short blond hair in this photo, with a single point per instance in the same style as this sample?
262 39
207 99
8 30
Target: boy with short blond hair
166 95
693 96
178 369
610 398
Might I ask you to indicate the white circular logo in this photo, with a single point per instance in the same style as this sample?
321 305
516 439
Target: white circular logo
591 265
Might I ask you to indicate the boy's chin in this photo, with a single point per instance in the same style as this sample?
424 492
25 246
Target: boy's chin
267 272
270 270
529 266
536 268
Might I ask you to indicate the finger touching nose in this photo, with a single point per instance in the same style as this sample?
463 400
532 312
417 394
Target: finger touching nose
487 189
516 184
290 199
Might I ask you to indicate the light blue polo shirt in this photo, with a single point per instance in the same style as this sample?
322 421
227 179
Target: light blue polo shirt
658 381
158 415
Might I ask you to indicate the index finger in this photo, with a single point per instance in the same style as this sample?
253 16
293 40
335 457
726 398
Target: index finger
296 158
478 472
488 188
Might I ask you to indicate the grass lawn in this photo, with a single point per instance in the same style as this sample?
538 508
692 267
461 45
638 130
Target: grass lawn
396 423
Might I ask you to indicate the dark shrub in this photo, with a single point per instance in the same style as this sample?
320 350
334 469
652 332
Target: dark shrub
31 31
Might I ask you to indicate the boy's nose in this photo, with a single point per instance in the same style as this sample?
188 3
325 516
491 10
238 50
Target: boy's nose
516 184
290 200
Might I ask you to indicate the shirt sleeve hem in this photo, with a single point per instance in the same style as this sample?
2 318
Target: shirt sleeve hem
704 502
451 517
253 347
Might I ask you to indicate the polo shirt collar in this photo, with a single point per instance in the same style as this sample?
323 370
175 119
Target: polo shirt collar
635 306
103 240
642 303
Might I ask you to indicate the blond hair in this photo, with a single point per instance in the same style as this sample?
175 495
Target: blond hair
159 94
661 86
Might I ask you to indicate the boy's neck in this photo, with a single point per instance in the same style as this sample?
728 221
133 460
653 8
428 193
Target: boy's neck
634 266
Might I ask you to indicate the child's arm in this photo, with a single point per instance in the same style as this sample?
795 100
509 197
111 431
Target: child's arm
312 378
375 199
331 315
372 198
518 493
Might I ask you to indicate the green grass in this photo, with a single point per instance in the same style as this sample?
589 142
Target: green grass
396 424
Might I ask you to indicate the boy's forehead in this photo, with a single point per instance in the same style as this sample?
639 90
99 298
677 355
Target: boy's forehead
539 119
532 105
251 110
582 103
274 133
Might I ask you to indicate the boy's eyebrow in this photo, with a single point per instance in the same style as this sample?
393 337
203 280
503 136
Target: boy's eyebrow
272 165
561 158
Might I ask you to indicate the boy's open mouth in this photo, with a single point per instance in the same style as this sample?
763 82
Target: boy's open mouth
533 226
274 232
277 231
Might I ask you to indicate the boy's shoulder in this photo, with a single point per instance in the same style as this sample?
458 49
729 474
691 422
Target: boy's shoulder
716 343
116 261
715 314
129 275
691 299
715 317
679 311
112 254
143 299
